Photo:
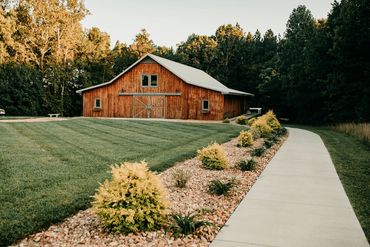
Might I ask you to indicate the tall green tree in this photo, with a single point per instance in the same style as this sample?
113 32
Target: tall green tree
198 51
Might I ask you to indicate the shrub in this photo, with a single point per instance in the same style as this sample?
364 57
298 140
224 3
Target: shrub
213 157
271 120
269 143
186 224
260 126
245 139
242 120
247 165
273 138
134 200
259 151
181 177
251 121
281 131
226 120
255 133
219 188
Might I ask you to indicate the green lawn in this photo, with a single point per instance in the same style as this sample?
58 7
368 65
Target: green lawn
351 158
49 170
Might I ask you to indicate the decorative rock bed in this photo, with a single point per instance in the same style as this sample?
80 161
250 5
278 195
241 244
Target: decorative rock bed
84 228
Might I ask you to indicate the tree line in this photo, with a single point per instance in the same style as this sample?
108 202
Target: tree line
317 72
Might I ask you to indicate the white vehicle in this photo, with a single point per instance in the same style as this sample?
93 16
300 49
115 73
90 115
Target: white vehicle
2 112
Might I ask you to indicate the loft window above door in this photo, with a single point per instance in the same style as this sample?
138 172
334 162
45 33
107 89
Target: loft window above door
149 80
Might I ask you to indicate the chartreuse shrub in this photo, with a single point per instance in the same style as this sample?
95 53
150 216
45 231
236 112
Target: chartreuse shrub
186 224
261 127
245 139
134 200
181 177
271 120
265 125
218 187
213 157
242 120
247 164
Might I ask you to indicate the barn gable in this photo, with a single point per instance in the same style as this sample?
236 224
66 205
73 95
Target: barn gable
186 73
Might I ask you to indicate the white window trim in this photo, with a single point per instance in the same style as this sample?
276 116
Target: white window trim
203 109
149 80
96 107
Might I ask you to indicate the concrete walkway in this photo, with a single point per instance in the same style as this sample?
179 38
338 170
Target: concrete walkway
297 201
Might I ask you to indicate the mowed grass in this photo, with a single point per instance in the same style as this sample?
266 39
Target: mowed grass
50 170
351 158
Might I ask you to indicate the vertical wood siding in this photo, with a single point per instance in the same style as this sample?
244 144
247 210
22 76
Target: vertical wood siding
186 106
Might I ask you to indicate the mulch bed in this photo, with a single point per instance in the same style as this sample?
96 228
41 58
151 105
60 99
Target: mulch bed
84 228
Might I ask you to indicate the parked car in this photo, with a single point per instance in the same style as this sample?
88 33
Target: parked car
2 112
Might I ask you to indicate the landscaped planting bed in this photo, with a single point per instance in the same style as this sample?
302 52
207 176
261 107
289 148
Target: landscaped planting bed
85 227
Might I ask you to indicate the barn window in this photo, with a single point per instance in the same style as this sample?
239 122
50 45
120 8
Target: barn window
145 80
153 80
97 103
205 105
149 80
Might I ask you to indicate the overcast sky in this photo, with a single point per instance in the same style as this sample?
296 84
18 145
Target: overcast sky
171 21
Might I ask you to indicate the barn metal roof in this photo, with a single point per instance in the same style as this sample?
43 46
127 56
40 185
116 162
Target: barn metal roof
188 74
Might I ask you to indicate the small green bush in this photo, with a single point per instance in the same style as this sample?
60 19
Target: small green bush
213 157
281 131
186 224
245 139
219 188
226 120
268 143
242 120
181 177
273 138
134 200
259 151
247 165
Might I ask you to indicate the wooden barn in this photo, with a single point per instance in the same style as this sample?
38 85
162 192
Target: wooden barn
155 87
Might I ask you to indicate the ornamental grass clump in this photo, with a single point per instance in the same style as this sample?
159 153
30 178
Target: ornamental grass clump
186 224
181 178
133 201
213 157
219 188
245 139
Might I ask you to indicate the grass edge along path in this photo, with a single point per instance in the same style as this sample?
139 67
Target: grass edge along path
351 158
50 169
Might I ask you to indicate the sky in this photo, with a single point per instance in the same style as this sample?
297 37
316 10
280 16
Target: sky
170 22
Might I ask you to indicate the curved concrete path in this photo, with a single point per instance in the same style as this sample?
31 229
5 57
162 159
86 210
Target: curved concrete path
297 201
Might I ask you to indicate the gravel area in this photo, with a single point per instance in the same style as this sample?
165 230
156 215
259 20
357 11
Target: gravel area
84 229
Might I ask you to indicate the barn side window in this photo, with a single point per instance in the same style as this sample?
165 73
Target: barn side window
205 105
97 103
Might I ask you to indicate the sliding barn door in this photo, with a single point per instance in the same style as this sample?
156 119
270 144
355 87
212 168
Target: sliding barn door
149 106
